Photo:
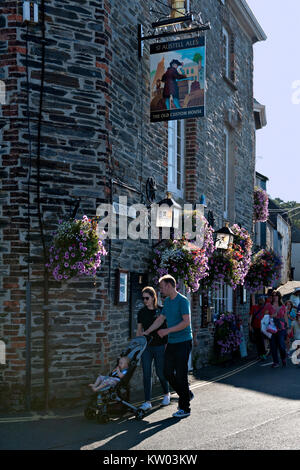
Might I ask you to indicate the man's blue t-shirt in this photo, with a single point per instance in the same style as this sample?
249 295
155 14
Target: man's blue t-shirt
173 311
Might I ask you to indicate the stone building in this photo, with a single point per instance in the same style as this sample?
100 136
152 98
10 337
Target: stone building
295 255
75 124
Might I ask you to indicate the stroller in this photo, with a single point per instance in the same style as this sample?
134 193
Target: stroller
111 396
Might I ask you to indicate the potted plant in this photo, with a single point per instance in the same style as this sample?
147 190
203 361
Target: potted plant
264 270
76 249
227 336
260 206
230 266
183 260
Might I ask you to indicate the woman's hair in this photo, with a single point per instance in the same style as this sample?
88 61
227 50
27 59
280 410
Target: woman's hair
168 279
149 290
290 303
279 297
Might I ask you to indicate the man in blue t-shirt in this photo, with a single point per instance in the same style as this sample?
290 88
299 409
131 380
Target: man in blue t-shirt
176 311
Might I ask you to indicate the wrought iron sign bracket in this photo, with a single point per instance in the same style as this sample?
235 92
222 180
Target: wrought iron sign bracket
141 38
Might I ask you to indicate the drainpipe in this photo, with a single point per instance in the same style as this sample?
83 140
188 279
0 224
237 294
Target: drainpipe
28 345
178 8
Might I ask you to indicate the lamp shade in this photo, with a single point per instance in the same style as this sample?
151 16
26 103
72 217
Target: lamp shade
224 237
168 213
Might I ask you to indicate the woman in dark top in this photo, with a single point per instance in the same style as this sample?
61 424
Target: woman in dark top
155 350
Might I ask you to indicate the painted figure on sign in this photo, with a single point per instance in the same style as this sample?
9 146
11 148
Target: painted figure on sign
171 87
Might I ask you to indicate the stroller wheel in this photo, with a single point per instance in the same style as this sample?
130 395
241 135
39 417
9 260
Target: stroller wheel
102 418
89 413
140 414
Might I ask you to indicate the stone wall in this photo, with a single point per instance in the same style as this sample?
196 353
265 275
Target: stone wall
96 136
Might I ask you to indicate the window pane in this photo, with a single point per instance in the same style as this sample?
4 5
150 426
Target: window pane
175 156
171 152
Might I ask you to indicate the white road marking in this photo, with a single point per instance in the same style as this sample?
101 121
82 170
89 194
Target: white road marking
200 383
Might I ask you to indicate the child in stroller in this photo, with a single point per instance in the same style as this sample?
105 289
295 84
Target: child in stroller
114 389
114 378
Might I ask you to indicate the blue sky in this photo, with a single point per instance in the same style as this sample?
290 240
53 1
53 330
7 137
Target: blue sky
276 71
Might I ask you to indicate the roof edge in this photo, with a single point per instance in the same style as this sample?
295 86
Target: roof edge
247 19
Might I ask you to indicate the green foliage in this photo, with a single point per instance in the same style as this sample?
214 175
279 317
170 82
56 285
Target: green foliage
294 215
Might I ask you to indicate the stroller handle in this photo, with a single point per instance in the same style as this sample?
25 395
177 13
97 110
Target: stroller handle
149 339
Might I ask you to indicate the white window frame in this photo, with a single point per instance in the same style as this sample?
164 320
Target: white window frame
172 157
226 173
225 35
258 233
221 299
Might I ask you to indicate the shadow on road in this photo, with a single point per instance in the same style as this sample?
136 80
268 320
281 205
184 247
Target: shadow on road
283 382
126 434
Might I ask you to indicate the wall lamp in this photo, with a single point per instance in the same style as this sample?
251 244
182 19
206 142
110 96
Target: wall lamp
224 237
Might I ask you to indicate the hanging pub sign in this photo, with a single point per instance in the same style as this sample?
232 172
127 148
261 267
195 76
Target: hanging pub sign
177 78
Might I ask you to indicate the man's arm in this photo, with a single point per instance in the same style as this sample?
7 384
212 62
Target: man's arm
155 325
186 320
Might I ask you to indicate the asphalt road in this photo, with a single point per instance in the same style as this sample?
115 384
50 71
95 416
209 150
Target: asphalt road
249 407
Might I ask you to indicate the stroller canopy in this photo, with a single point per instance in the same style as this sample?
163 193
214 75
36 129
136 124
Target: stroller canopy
136 348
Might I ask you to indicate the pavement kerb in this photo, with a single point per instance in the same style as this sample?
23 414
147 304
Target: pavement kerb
195 383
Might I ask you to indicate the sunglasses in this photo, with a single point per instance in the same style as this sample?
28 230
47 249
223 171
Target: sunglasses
146 298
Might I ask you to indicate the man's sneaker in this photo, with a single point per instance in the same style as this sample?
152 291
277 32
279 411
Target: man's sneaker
275 365
166 400
146 406
263 357
181 414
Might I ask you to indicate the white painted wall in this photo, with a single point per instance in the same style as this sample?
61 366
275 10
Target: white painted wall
285 231
296 260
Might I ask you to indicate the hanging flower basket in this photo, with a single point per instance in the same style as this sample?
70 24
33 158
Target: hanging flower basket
264 271
230 266
76 250
228 336
261 204
183 260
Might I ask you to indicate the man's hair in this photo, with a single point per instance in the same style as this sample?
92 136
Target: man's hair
168 279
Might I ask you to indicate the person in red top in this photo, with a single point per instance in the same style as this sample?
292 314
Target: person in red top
256 315
277 311
269 296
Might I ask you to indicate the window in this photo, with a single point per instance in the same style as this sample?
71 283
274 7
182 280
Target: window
225 171
258 233
220 300
176 150
226 53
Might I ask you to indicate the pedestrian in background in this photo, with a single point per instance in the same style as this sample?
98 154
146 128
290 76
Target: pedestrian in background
256 315
155 351
291 314
269 296
295 298
296 327
277 311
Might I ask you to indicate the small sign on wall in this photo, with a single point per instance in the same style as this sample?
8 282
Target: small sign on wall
121 294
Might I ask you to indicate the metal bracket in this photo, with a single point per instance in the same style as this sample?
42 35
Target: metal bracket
141 38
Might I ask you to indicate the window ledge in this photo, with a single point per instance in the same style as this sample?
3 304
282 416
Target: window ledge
230 83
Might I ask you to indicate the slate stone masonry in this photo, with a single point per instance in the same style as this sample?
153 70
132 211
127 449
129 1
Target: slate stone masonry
96 129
